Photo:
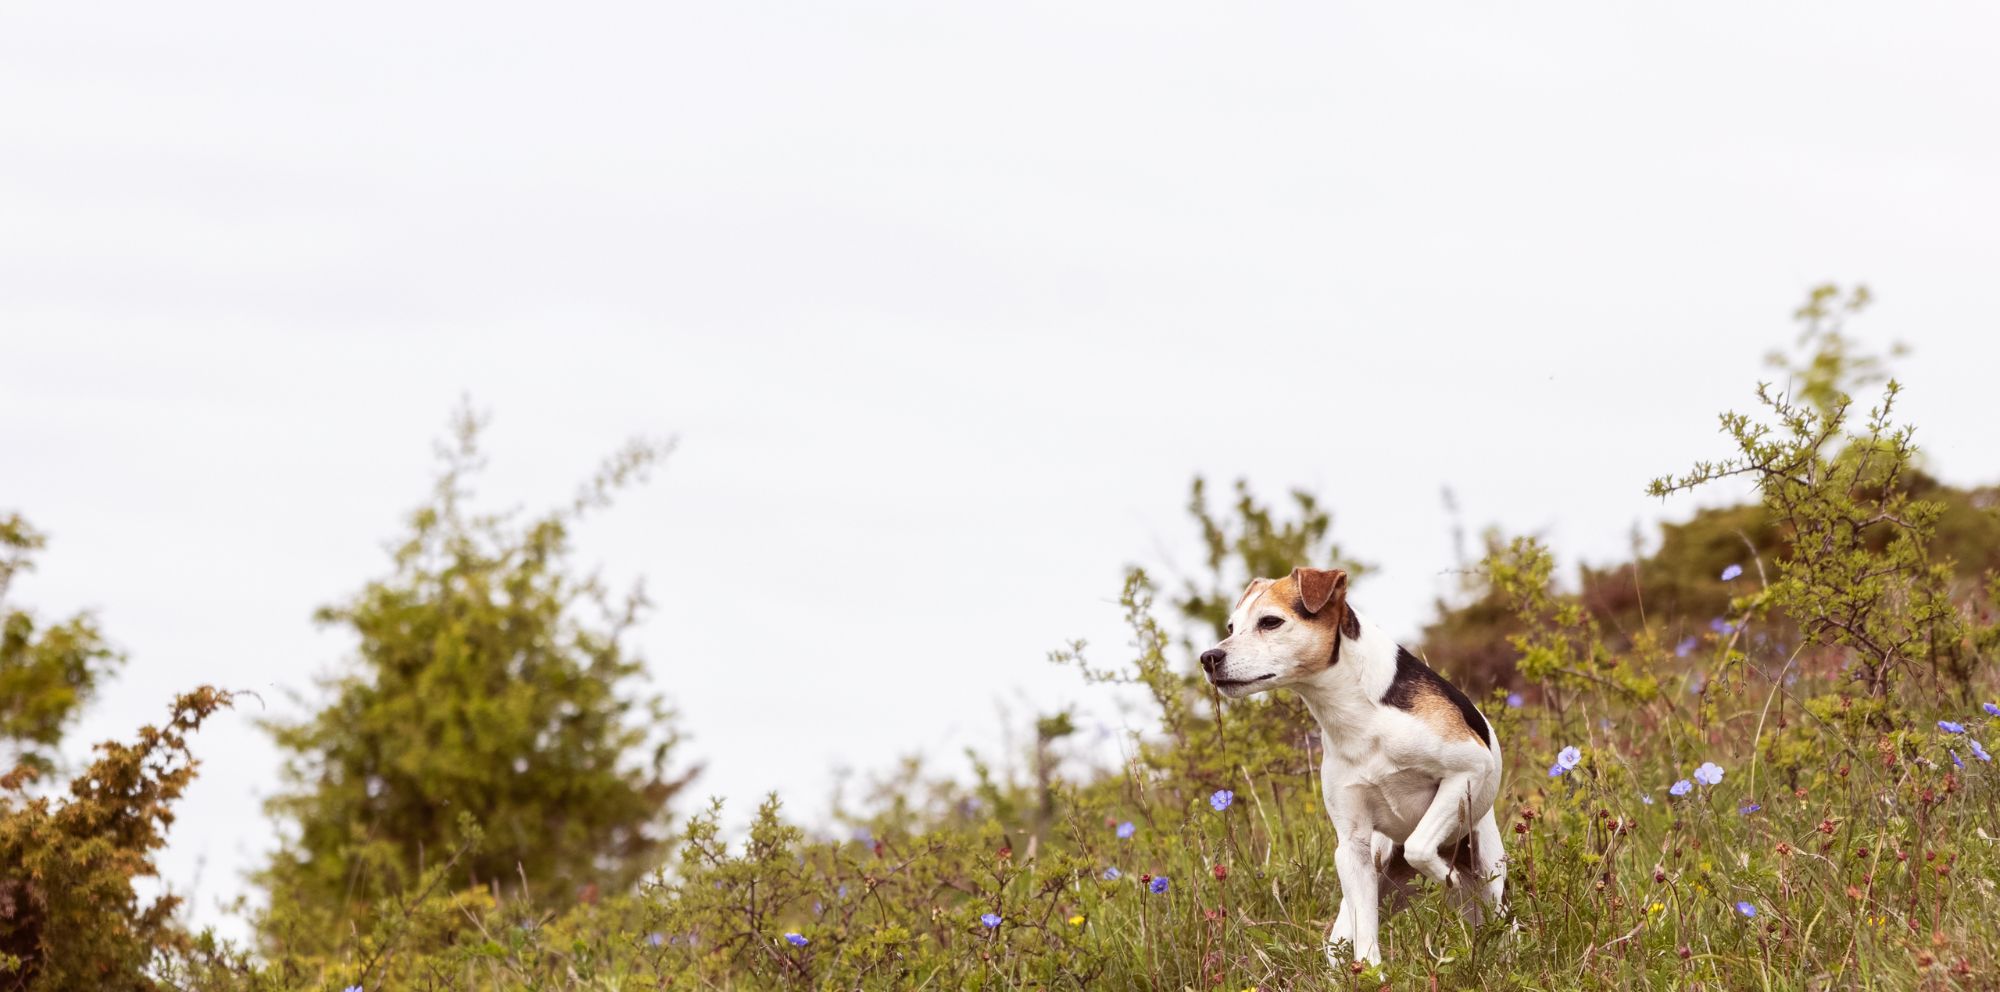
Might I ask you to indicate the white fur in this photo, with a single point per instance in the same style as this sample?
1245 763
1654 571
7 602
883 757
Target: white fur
1389 778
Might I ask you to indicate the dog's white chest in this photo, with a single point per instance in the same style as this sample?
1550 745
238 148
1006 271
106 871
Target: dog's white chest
1393 799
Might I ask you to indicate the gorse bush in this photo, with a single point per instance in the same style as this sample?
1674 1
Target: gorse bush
490 695
1755 758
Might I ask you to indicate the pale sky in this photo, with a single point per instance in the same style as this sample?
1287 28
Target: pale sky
945 302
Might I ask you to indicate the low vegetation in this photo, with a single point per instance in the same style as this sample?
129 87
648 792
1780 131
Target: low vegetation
1756 758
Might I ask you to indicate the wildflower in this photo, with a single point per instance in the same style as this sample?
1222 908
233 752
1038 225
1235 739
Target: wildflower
991 920
1126 829
656 939
1680 788
1515 702
1709 773
1721 626
1731 572
1991 709
1077 920
1746 909
1221 872
1748 808
1646 798
1686 645
1566 759
352 988
796 939
1978 751
1951 728
1159 885
841 892
1656 908
1111 874
1221 799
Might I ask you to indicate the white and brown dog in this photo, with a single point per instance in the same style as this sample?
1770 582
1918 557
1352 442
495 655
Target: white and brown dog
1411 766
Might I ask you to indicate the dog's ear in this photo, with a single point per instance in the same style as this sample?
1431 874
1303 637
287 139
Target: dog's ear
1319 587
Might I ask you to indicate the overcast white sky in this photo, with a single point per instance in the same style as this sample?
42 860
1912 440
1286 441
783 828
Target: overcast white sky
946 303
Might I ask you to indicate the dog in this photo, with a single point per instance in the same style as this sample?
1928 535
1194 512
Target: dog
1411 767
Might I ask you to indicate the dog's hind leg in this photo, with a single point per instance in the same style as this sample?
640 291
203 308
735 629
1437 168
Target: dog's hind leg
1392 873
1480 871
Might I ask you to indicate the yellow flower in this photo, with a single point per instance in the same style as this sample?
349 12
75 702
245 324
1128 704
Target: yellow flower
1077 920
1656 907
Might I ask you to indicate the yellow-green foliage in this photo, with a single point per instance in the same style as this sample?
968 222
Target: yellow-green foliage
47 673
486 692
1839 680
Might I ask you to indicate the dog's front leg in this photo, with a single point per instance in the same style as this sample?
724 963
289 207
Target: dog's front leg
1359 920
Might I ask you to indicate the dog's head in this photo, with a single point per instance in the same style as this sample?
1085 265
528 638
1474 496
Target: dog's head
1281 631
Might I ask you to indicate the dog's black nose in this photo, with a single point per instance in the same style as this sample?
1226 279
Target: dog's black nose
1212 659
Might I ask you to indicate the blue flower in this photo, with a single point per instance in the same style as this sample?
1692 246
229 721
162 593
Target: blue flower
991 920
1221 799
1721 626
1955 763
841 892
1515 702
1746 909
352 988
1991 709
1686 645
1680 788
656 939
1979 752
1647 799
1126 829
1569 757
1951 728
796 939
1709 773
1111 874
1159 885
1748 808
1731 572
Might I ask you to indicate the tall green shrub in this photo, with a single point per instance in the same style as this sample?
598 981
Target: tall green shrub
493 686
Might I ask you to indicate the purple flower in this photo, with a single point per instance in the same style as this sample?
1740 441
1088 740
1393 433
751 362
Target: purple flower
1979 752
1159 885
1951 728
1515 702
1686 645
796 939
1990 708
1748 808
1221 799
991 920
1111 874
1566 759
1646 798
1680 788
1731 572
1955 763
1709 773
1746 909
1126 829
1721 626
656 939
352 988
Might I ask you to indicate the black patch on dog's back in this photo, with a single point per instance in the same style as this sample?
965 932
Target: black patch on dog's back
1413 677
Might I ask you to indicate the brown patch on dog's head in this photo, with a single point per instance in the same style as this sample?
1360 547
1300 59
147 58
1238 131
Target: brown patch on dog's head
1321 591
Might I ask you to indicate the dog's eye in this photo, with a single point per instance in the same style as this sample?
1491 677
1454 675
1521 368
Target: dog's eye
1270 623
1229 629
